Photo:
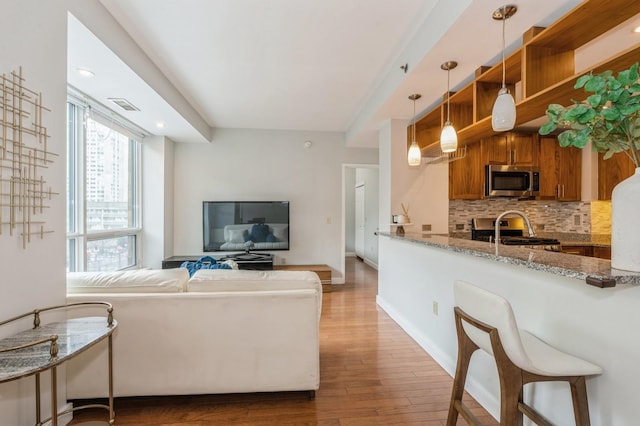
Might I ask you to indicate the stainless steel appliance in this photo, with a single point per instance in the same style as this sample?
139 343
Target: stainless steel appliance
511 181
511 232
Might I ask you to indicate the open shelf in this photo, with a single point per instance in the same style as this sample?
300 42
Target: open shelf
545 68
585 22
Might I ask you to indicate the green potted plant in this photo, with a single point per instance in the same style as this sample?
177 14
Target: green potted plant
610 118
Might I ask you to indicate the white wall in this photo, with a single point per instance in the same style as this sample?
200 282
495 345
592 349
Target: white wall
33 36
242 164
157 200
423 189
349 211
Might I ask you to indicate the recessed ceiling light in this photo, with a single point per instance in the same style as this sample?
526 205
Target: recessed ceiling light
160 125
86 73
637 29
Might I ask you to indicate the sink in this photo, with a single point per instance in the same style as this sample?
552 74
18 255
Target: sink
528 241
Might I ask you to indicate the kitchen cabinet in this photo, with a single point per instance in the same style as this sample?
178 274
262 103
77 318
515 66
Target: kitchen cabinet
512 148
602 252
466 176
611 172
578 250
560 171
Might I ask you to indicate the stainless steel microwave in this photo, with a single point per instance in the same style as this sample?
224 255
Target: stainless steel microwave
511 181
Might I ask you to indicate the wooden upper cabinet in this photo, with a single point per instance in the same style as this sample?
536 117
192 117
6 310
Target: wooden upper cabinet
517 149
611 172
560 171
466 176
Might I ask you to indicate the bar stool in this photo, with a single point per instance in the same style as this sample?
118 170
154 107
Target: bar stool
485 321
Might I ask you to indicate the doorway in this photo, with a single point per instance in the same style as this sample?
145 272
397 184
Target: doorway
360 183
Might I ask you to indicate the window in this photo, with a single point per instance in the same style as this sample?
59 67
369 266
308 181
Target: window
103 208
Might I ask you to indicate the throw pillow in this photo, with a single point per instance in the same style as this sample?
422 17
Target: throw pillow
259 232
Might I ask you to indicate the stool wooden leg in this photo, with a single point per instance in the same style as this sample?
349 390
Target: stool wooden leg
466 348
511 383
580 402
510 397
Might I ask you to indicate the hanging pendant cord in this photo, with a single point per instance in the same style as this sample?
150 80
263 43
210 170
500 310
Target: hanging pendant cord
504 18
448 93
414 121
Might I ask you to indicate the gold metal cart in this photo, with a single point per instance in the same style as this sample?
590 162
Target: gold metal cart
44 347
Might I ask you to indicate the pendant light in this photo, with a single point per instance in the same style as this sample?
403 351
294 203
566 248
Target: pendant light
448 137
414 157
503 116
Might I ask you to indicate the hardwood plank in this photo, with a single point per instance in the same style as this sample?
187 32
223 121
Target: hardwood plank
372 373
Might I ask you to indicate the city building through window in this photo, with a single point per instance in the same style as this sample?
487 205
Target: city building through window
103 196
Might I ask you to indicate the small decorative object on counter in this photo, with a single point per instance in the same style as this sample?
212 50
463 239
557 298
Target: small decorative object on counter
404 218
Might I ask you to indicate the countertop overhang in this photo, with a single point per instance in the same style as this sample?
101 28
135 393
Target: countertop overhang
593 271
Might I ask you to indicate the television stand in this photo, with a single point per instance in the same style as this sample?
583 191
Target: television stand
246 261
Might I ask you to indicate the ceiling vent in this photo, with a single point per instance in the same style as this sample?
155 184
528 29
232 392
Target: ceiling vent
124 104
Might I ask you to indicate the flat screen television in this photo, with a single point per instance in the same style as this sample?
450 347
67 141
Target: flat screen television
245 225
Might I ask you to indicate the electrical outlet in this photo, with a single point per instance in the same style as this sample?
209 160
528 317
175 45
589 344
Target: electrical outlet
459 226
435 308
576 219
329 220
283 261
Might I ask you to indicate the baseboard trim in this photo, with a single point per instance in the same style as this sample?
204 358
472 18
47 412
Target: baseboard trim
370 263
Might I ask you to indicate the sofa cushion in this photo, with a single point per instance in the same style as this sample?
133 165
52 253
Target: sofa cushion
134 281
238 235
249 280
221 280
280 231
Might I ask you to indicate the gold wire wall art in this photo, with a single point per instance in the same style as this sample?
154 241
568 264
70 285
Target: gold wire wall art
24 156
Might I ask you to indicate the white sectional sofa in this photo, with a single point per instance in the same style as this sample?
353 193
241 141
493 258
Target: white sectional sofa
222 331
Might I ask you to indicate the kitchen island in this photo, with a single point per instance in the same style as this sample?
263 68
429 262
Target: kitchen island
550 297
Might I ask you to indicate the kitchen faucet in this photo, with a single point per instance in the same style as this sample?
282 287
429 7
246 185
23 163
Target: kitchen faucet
519 213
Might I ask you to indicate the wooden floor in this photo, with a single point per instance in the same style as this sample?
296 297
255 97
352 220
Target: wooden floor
372 373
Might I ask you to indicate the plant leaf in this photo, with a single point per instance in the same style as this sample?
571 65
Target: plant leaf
574 113
633 73
596 84
611 114
582 137
588 115
582 81
564 138
608 155
547 128
594 100
629 109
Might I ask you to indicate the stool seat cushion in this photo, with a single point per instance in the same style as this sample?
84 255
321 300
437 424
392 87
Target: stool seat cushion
549 361
523 349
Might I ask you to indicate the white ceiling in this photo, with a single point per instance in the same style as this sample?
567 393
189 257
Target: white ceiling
315 65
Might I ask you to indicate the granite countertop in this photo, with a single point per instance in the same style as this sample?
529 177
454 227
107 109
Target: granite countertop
594 271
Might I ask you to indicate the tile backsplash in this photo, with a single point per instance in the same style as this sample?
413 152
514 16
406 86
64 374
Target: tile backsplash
601 217
546 216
